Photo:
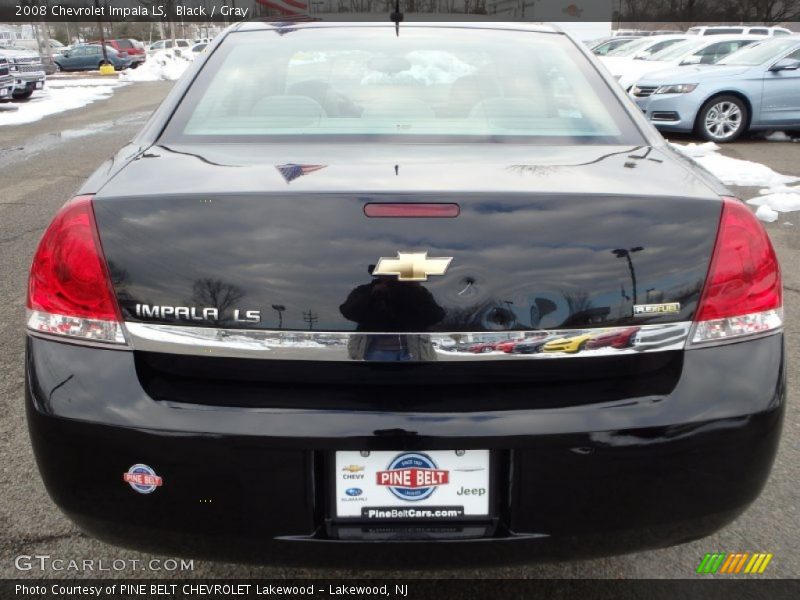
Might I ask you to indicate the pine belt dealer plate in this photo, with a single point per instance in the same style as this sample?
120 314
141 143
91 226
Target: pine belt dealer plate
439 485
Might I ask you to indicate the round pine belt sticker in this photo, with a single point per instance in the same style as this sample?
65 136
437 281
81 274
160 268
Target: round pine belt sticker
142 479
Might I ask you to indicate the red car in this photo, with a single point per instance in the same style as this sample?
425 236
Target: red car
507 346
135 50
483 347
613 339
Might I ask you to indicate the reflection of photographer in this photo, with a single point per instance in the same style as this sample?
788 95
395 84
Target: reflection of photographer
388 305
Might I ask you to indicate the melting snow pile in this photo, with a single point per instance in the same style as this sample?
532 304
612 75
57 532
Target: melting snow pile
56 98
777 195
163 65
776 200
733 171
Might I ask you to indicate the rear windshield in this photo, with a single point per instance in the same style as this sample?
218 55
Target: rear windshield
723 30
124 44
441 83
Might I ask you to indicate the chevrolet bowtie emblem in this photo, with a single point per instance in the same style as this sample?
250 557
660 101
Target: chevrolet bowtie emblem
412 266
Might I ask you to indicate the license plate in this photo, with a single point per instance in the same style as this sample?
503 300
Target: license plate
3 92
438 485
38 85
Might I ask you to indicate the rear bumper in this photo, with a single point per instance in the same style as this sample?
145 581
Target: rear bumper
250 484
27 81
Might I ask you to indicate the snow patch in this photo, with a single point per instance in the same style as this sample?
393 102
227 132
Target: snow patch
733 171
774 200
160 66
781 202
778 136
57 83
54 100
765 213
777 197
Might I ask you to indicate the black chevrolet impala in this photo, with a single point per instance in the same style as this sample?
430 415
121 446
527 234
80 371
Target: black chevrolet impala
249 332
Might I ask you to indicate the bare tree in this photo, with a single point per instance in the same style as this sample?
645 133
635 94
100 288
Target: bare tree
214 293
577 302
764 11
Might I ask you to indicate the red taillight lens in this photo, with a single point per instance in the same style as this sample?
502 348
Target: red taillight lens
69 289
743 293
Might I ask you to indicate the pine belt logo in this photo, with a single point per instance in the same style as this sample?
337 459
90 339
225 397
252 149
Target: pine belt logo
734 563
412 476
142 479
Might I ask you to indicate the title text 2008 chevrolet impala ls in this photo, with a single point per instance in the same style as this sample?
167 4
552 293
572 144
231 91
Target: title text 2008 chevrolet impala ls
249 334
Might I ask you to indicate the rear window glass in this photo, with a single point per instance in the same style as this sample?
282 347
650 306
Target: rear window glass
724 31
444 83
124 44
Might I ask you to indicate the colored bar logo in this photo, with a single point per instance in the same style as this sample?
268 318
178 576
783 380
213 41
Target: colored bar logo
734 563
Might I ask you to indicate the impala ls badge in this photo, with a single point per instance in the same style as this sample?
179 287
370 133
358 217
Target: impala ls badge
412 266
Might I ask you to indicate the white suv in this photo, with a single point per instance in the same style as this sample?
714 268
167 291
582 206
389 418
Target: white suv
735 29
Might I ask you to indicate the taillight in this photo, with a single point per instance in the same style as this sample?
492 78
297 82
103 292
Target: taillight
743 294
69 289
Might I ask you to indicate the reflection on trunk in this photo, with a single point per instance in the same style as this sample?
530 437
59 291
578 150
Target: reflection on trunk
387 305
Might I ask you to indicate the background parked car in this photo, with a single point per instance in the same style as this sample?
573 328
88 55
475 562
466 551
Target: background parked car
701 50
180 45
619 338
755 88
507 346
88 57
135 51
619 60
27 70
532 346
6 80
571 344
199 48
730 29
660 337
482 347
603 46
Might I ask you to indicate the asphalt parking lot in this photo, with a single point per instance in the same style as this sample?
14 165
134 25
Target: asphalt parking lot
41 165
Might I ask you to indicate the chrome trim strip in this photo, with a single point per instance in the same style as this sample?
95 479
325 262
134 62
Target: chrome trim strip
419 347
75 341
